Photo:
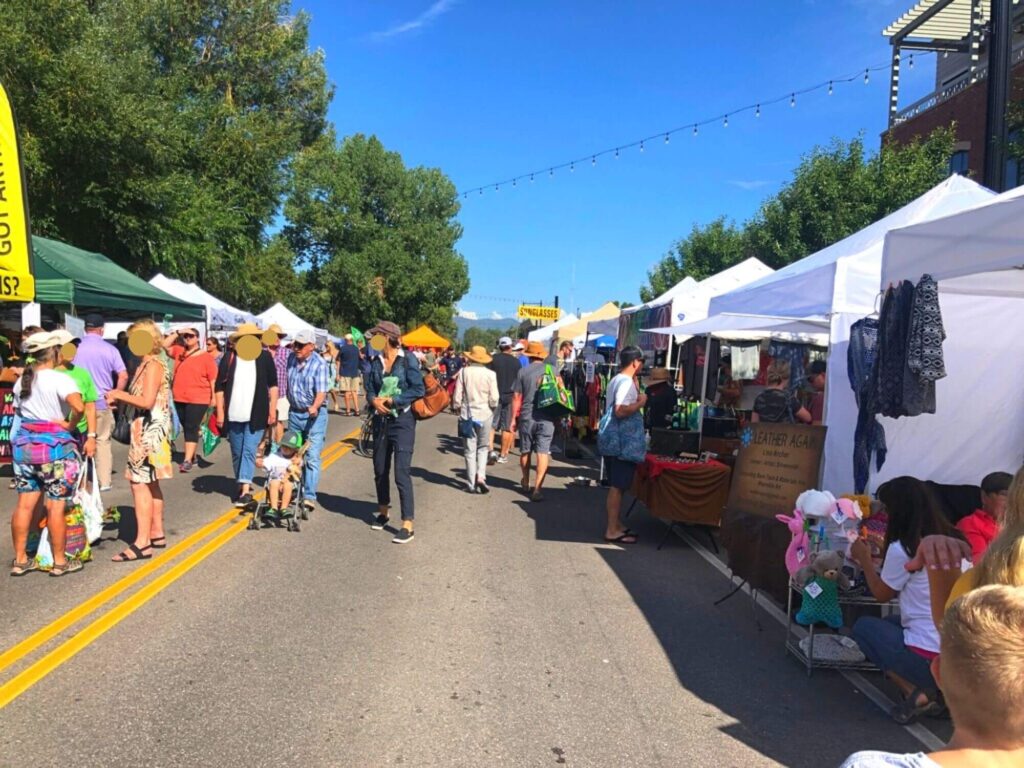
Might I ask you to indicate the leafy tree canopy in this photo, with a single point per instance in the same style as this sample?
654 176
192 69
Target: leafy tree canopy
835 191
486 337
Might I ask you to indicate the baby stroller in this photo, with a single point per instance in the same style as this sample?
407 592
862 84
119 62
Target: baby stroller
295 510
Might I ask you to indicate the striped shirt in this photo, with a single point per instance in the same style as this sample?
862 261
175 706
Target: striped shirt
305 379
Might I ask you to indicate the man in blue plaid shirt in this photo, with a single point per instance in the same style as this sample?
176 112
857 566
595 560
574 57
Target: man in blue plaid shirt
309 380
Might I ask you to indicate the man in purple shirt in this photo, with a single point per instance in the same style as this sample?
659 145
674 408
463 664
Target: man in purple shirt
104 364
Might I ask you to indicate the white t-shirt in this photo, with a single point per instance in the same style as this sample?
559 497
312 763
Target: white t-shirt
872 759
50 390
276 466
915 599
243 390
621 391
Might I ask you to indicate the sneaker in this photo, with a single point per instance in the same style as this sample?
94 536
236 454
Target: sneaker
309 504
285 514
271 515
404 536
502 460
492 458
379 522
243 500
104 488
185 466
537 495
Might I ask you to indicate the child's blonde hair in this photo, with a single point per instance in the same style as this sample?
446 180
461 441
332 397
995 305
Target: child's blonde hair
778 372
982 664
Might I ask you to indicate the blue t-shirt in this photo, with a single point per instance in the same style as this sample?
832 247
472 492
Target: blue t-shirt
349 356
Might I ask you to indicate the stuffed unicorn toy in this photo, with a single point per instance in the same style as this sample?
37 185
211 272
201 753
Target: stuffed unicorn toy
798 553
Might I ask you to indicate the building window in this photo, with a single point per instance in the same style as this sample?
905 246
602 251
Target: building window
958 162
1015 165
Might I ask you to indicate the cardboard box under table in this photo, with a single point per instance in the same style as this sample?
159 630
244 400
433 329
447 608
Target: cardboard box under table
692 493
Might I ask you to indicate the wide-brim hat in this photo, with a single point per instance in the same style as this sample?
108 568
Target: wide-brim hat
478 354
536 350
37 342
246 329
277 329
659 374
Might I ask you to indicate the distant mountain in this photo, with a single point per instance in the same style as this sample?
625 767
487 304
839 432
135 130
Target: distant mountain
485 323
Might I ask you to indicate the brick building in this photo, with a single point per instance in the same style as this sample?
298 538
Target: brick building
957 31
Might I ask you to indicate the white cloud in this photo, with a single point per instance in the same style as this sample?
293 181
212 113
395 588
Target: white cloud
497 316
437 9
750 184
467 314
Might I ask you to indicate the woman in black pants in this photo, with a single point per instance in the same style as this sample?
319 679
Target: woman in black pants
195 374
394 426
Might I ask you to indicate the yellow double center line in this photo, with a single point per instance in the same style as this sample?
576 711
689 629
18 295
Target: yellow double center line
68 649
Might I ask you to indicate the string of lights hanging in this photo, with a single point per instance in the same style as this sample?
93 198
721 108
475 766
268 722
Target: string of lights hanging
692 127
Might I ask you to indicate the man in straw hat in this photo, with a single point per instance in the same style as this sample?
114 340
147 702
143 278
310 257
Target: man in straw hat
246 392
536 426
280 352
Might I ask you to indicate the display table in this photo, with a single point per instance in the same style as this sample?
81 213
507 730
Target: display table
692 493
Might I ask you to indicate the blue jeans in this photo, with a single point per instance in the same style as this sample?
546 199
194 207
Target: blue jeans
881 640
244 440
314 432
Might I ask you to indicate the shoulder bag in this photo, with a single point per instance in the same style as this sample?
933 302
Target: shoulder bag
434 400
553 394
467 428
126 414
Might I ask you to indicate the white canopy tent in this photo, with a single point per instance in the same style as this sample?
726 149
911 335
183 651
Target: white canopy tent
291 323
977 258
546 333
219 314
734 326
842 283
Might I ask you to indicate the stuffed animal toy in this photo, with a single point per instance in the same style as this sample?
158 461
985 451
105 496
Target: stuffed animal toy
821 581
834 524
798 553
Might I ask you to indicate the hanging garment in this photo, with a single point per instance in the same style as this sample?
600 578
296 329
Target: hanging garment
746 361
924 342
869 435
893 331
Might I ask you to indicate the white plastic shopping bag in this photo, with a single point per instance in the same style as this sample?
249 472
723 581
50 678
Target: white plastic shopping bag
90 502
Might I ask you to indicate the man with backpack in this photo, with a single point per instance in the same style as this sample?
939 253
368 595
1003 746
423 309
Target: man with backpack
394 383
536 425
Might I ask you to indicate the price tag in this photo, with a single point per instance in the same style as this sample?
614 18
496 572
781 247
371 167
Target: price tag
838 517
812 590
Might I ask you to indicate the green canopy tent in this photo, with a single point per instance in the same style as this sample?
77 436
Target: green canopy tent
69 276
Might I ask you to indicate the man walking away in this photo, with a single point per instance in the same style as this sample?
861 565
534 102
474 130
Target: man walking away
309 379
536 426
348 357
104 364
506 367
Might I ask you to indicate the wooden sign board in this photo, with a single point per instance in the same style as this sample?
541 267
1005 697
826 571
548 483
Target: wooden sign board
775 464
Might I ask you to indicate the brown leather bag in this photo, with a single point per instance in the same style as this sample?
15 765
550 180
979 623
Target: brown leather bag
433 402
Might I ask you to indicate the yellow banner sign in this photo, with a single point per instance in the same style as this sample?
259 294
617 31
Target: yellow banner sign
16 281
534 312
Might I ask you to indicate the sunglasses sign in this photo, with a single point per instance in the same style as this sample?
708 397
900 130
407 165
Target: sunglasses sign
16 281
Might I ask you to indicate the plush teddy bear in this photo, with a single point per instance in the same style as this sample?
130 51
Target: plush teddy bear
821 581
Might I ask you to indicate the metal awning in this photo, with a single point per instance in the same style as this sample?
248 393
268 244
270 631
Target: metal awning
946 19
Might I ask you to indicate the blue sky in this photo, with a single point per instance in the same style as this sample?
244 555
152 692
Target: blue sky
487 90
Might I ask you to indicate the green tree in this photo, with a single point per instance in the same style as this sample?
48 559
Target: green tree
835 191
160 132
485 337
378 238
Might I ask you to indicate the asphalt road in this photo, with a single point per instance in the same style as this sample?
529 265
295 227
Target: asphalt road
505 634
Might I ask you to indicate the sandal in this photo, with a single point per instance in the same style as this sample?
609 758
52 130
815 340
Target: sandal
20 569
70 566
160 542
138 554
626 537
908 710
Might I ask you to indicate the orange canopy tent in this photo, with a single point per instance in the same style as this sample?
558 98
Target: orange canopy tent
425 337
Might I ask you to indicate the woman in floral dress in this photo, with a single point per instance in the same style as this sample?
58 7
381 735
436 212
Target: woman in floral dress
149 452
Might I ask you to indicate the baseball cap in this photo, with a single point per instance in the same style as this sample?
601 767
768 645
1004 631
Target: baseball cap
505 342
292 439
305 336
93 320
519 347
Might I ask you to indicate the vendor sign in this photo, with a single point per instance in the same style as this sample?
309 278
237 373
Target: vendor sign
536 312
775 464
16 281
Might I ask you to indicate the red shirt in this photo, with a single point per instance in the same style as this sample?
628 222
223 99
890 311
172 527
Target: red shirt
979 528
194 376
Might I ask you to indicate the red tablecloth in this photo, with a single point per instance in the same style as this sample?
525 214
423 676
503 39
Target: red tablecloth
691 492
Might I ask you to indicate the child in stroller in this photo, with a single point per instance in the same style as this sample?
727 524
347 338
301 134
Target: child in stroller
284 473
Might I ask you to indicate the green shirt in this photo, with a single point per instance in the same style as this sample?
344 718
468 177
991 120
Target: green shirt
83 379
